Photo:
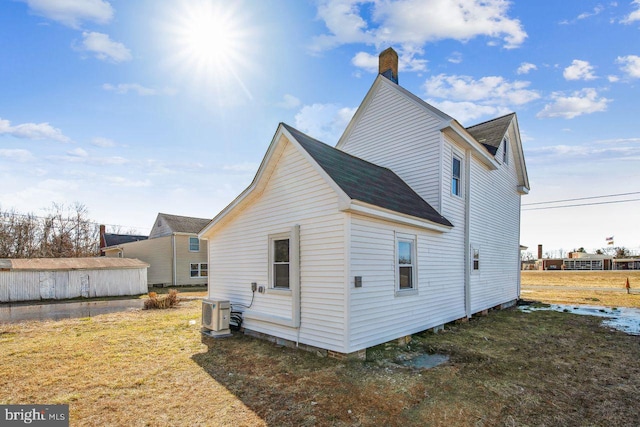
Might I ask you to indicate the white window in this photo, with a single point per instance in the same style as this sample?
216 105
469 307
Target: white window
405 262
199 269
455 176
475 258
194 244
505 150
280 255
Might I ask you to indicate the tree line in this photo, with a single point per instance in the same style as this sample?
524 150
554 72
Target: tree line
65 231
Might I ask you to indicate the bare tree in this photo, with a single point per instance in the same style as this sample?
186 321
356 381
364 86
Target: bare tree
63 232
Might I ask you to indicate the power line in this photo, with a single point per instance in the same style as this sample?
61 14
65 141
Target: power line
582 204
580 198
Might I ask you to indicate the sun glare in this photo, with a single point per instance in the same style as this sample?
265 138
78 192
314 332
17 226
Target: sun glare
209 41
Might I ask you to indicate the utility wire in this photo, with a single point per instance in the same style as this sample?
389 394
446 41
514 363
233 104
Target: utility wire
580 198
582 204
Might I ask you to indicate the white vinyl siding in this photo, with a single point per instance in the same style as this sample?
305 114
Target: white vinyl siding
495 228
396 133
377 315
295 195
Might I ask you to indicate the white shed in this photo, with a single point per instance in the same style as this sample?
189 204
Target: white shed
63 278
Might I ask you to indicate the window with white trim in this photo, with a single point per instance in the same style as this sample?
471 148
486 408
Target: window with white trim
405 262
199 269
280 255
475 258
194 244
455 176
505 150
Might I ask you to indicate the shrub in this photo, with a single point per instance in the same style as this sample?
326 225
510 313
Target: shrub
163 301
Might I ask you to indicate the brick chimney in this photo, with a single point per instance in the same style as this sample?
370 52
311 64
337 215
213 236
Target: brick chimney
103 243
539 251
388 64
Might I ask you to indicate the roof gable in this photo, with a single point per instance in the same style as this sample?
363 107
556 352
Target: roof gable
367 182
380 192
167 224
491 133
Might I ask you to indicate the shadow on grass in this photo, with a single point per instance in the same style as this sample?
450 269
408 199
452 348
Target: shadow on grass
509 368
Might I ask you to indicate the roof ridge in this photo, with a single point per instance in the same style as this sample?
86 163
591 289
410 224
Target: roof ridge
491 120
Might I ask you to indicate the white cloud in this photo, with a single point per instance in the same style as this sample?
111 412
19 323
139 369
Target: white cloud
78 152
104 48
288 102
455 58
493 90
325 122
32 131
633 16
412 23
579 70
124 88
124 182
596 11
630 64
72 12
585 101
241 167
613 78
466 112
526 67
16 155
103 142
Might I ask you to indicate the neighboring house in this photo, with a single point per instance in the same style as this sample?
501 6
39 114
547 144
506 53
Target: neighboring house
176 255
411 222
63 278
112 239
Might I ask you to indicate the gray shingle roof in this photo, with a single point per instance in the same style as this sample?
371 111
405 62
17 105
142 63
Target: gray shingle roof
111 239
184 224
490 133
367 182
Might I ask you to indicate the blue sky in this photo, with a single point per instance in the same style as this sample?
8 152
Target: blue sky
135 108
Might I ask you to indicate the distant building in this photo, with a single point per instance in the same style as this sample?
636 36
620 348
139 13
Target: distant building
175 254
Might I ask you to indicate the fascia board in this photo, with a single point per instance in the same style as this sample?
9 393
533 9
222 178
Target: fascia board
373 211
259 181
459 134
522 169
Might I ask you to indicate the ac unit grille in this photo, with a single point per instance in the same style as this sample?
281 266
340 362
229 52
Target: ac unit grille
207 315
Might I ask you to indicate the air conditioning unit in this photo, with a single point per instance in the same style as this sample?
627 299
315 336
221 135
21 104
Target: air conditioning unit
215 318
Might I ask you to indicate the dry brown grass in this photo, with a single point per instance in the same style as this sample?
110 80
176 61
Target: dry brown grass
587 279
149 368
168 300
578 287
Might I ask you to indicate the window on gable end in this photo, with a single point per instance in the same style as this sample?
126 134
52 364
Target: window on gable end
505 150
455 176
194 244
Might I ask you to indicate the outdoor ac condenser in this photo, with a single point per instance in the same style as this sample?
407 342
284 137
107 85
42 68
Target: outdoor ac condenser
215 318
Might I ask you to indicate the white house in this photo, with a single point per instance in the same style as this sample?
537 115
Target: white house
411 222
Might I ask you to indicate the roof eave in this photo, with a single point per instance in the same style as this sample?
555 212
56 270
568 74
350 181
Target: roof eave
460 134
366 209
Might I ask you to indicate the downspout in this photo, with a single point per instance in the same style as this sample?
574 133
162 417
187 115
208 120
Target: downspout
174 278
467 233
